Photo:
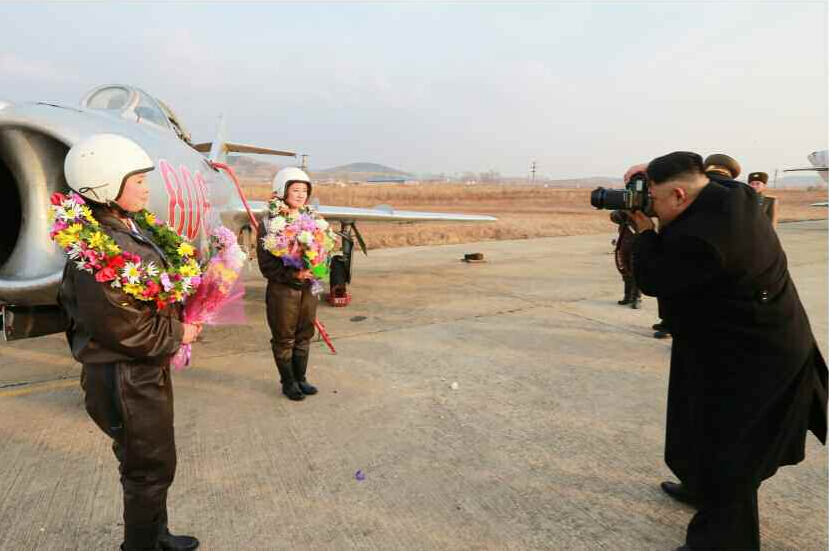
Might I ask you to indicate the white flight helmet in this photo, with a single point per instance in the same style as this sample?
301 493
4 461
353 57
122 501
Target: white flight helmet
97 166
286 177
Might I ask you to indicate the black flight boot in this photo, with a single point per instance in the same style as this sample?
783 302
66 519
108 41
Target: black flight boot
300 365
168 541
289 385
141 537
626 300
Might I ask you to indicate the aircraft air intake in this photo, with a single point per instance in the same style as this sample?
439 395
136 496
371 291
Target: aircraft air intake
31 169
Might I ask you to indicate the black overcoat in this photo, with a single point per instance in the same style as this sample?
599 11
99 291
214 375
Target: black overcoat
747 380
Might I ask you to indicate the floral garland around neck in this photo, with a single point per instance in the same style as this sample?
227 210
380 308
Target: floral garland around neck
80 236
301 239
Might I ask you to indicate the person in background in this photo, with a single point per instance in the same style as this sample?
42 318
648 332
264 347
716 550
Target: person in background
624 247
769 204
719 167
290 305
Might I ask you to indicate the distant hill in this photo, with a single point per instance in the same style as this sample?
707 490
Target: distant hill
368 168
249 168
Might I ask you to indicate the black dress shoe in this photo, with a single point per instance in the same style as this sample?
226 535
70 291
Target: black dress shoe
636 304
625 301
661 335
677 491
307 388
685 547
660 327
292 391
177 542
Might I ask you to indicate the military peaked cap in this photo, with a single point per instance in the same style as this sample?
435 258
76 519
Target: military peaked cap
723 164
761 176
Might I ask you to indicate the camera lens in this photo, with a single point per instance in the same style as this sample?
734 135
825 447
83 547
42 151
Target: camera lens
597 198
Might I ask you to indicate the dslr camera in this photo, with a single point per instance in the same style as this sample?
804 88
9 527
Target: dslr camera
633 197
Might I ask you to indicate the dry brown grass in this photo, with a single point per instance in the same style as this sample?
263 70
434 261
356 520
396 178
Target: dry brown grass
523 212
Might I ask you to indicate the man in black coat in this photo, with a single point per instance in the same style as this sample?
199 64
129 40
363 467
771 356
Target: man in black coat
747 380
719 167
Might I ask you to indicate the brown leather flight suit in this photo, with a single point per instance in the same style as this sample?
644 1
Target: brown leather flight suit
291 310
125 346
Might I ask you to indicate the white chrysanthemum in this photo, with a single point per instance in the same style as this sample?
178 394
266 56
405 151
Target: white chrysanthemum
131 272
60 214
269 242
116 283
277 224
80 264
186 284
151 269
74 251
305 237
322 224
74 212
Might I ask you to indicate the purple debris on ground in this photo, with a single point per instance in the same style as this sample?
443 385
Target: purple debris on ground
359 475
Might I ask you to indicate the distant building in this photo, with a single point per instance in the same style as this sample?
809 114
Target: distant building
386 179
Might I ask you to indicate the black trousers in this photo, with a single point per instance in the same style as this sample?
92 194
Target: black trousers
133 404
631 289
726 525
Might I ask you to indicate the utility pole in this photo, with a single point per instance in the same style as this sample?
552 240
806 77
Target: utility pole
532 170
304 163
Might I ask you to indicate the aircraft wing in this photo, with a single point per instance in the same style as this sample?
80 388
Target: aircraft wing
242 148
385 213
818 169
238 217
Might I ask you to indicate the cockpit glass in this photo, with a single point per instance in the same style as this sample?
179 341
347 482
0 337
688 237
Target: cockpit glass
114 98
148 110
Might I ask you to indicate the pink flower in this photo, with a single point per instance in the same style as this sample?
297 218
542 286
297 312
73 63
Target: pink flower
165 281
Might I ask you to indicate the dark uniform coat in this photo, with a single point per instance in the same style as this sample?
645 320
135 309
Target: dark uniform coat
125 345
624 249
747 379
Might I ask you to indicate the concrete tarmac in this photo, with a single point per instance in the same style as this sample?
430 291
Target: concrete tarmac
552 439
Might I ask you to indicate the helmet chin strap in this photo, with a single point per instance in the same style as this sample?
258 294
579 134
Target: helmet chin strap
120 210
92 189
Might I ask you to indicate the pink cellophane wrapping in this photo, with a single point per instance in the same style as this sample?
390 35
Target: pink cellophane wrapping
219 298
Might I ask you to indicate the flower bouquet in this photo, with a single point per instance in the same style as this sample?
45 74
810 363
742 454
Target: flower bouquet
302 240
218 298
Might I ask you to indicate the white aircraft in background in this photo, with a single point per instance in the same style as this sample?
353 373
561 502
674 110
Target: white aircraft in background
820 163
190 189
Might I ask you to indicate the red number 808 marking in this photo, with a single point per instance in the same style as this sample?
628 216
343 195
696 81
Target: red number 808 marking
187 194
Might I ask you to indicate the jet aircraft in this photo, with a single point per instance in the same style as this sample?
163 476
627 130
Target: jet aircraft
191 189
819 161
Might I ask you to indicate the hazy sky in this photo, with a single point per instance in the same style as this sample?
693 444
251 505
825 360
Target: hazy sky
583 88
